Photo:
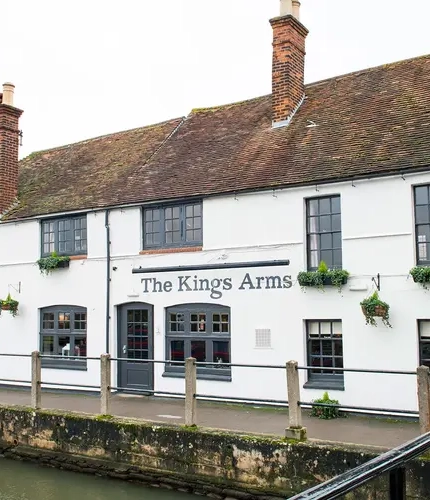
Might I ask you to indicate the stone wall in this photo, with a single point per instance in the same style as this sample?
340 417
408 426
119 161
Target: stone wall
204 461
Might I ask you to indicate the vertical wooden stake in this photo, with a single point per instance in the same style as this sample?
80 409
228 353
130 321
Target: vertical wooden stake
190 392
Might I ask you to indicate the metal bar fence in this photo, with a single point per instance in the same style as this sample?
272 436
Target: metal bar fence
190 393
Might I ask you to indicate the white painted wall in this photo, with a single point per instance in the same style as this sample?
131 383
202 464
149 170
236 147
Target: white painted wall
378 236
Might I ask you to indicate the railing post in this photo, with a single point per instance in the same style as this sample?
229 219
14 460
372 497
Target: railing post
36 380
424 398
105 381
398 484
190 392
295 429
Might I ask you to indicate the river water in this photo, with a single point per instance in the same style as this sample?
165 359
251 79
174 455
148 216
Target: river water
27 481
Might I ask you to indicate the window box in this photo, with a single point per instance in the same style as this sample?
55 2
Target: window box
63 264
421 274
54 261
323 277
330 281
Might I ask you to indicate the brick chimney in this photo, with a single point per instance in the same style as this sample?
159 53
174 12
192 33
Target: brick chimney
288 68
9 143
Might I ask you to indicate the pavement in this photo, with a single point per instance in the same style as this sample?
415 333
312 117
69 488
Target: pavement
361 430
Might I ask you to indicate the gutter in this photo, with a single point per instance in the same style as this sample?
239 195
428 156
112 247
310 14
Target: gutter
108 280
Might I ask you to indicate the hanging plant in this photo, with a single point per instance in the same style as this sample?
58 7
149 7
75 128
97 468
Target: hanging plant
373 307
9 304
421 275
323 276
54 261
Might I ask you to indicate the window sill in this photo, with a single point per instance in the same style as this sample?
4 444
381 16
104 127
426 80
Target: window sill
200 376
325 385
170 250
78 257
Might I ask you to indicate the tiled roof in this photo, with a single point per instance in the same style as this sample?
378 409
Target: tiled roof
370 122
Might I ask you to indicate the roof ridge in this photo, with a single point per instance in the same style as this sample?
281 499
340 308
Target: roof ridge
104 136
367 70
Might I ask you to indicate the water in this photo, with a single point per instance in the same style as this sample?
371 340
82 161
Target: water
27 481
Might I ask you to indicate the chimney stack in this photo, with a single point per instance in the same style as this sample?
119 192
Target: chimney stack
9 143
288 86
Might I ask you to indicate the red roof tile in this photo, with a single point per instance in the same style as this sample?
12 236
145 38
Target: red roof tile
370 122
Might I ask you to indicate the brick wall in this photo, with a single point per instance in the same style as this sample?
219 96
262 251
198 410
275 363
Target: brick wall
9 144
289 37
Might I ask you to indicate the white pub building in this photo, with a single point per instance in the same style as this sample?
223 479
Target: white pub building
186 238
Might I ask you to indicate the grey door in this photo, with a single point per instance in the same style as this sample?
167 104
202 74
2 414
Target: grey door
135 342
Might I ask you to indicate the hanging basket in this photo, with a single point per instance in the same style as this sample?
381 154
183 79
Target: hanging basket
380 311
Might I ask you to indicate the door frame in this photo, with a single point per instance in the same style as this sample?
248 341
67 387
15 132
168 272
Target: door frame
120 315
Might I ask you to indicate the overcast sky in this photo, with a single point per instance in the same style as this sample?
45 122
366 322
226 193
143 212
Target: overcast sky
85 68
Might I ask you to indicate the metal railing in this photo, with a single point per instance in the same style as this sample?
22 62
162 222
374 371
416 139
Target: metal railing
294 402
393 462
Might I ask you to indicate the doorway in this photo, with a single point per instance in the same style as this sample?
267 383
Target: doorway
136 343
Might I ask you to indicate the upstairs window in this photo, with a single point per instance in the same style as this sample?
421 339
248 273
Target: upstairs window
173 226
65 236
422 225
324 235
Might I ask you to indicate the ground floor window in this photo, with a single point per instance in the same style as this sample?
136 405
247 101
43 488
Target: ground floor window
201 331
63 332
424 338
324 349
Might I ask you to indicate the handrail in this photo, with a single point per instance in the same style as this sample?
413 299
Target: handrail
392 460
224 365
291 368
356 370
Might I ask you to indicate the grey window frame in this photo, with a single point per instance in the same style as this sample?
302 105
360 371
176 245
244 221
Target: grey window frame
56 232
418 225
162 228
311 234
70 364
210 373
421 343
325 380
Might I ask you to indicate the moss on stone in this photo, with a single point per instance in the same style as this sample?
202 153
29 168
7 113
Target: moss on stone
206 459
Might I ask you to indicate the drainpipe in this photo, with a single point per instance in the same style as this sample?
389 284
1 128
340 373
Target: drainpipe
108 280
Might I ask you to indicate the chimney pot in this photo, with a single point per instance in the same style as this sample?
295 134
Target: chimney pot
8 89
286 8
296 9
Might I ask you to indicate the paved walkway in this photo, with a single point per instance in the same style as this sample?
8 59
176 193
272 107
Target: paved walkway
369 431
